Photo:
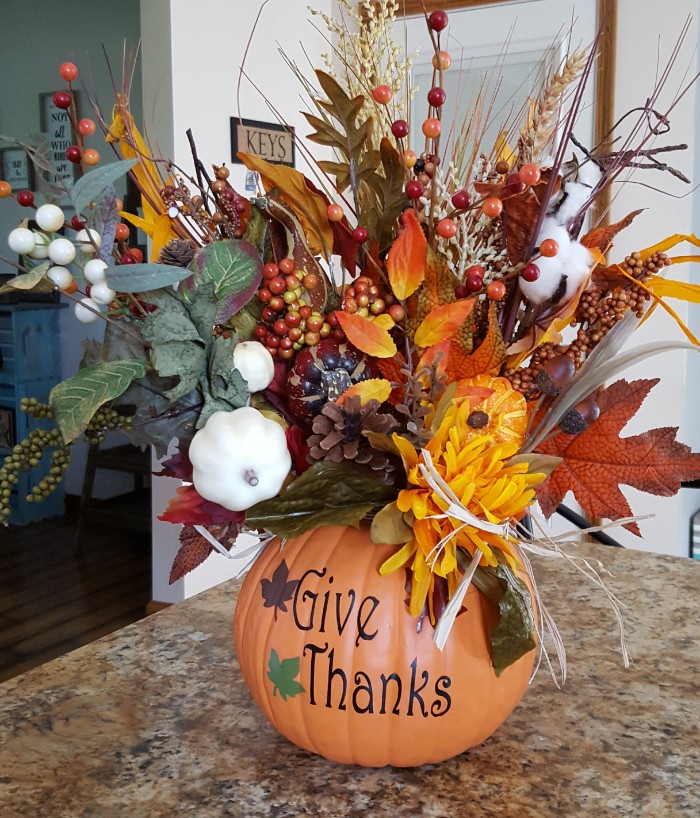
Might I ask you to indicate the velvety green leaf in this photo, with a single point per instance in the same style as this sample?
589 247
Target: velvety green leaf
182 359
140 278
90 186
158 420
326 494
226 382
233 267
282 674
76 400
514 635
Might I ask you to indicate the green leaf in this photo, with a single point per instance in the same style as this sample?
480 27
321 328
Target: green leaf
282 675
226 382
89 187
326 494
233 267
28 280
514 635
76 400
140 278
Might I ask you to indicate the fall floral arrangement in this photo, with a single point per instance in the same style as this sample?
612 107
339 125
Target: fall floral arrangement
420 341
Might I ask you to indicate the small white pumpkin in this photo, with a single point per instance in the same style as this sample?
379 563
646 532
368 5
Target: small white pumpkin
255 364
239 458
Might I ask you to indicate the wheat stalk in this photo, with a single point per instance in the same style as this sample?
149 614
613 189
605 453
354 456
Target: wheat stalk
545 114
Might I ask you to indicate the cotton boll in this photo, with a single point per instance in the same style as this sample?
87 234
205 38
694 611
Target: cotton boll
576 193
572 262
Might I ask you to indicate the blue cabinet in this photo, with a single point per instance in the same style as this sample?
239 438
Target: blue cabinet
31 366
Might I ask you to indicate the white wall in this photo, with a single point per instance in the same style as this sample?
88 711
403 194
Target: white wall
196 51
673 402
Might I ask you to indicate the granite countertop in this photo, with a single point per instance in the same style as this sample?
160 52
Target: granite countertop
155 721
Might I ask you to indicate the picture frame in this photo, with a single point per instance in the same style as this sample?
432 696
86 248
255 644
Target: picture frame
56 124
16 168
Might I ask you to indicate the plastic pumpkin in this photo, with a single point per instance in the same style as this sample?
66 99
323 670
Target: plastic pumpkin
338 666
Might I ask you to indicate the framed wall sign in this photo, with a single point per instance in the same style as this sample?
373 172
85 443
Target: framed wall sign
269 140
16 168
55 122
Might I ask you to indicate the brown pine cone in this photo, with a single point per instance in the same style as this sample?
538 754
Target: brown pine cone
338 437
177 253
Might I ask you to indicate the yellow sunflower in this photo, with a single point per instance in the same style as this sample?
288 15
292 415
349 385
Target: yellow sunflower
462 493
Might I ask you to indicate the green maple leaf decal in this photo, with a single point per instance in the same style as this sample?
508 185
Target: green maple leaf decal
281 673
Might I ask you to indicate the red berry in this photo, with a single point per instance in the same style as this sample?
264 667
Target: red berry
305 312
360 235
476 270
334 213
436 97
270 270
382 94
461 291
496 290
277 285
492 207
438 21
268 314
310 281
62 99
399 128
25 198
292 318
287 266
272 341
76 224
127 258
549 248
292 282
529 174
286 343
280 327
73 154
530 272
514 184
474 283
460 199
264 295
260 331
446 228
137 254
414 190
69 71
277 303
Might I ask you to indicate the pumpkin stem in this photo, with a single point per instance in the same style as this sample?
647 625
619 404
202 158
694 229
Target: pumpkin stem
251 477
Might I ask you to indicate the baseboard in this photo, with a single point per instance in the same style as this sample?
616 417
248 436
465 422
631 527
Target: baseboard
154 606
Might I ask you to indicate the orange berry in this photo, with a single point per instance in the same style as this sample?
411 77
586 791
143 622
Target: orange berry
441 61
71 287
137 254
529 174
121 232
446 228
287 266
382 94
5 190
409 158
496 290
91 157
549 248
334 213
431 127
492 207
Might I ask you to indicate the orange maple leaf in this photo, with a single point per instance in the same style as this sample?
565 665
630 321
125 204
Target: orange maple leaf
407 258
602 237
598 461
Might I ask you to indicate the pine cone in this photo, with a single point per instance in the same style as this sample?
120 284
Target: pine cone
177 253
337 436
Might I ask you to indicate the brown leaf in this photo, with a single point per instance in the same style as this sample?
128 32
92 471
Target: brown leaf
602 237
598 461
194 549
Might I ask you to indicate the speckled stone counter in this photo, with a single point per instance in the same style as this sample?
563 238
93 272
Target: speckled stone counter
155 722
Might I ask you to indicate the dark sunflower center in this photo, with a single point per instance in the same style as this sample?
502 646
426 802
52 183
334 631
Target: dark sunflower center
478 419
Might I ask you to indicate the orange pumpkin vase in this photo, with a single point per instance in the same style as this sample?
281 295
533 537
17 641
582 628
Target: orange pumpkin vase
337 664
